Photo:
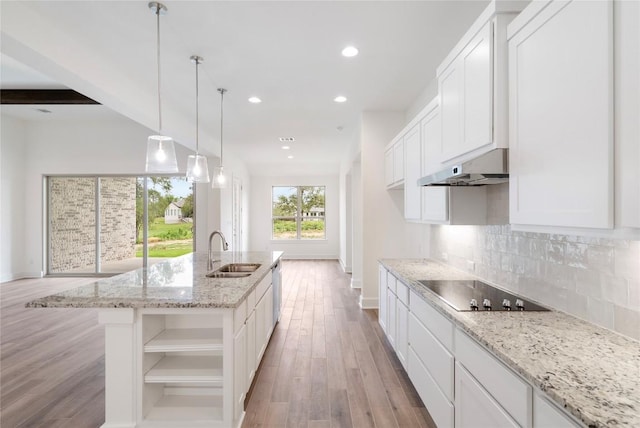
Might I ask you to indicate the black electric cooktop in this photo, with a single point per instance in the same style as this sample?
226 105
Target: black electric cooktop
472 295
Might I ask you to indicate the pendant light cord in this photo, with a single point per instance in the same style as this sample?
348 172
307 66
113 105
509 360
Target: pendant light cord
158 8
197 61
222 91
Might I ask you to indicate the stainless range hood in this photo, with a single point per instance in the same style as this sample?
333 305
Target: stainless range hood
489 168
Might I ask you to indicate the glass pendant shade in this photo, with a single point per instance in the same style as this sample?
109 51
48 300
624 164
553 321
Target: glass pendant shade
161 155
219 180
197 169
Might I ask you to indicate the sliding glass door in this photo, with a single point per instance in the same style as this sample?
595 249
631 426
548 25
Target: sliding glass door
97 225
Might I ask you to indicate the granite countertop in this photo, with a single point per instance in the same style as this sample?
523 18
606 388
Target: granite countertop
174 283
590 371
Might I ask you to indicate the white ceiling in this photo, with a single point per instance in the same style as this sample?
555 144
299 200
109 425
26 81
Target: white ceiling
287 53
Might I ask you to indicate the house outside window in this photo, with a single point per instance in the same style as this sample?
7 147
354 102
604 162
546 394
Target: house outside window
298 213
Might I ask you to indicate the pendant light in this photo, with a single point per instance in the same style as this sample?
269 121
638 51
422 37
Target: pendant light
219 179
197 168
161 153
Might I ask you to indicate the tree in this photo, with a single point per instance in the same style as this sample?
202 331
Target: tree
312 197
158 199
187 207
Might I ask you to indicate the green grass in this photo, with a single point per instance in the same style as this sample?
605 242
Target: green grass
168 250
168 232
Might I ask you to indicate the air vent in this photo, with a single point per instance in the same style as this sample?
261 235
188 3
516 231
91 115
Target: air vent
287 139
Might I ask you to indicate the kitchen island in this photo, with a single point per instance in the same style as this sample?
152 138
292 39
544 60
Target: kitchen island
531 367
181 348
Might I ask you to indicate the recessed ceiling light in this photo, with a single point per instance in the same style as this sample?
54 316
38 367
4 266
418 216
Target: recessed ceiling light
340 99
287 139
255 100
285 147
350 51
290 157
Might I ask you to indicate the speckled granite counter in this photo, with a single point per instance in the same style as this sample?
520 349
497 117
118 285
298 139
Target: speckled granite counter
592 372
175 283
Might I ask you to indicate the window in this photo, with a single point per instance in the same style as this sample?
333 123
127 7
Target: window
298 212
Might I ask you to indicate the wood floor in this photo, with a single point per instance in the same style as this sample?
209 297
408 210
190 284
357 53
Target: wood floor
327 365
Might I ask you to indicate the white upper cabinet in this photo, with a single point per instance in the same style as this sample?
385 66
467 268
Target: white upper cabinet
627 112
472 85
412 172
466 92
561 115
394 164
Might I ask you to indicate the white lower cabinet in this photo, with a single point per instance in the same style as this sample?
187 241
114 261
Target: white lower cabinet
402 331
461 383
440 409
382 297
513 393
475 407
240 369
547 415
391 318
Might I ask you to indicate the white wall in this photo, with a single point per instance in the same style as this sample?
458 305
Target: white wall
260 219
385 232
12 198
111 146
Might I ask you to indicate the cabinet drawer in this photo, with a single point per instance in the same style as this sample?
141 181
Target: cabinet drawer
402 291
262 287
239 315
546 415
251 303
433 355
440 409
391 282
439 326
513 394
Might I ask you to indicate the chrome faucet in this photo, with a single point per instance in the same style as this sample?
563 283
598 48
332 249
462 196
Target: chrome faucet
225 247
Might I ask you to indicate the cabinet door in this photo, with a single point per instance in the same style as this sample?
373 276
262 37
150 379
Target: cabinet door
391 318
431 136
269 322
261 329
477 92
239 370
388 167
435 204
449 88
560 117
402 332
412 172
474 407
251 350
382 298
398 161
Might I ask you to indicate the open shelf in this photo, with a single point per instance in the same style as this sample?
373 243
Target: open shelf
185 340
186 369
187 408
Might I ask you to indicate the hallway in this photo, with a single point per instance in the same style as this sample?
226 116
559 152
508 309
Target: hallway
328 363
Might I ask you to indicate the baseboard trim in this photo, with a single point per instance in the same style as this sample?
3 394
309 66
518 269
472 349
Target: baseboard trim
345 268
368 303
356 283
20 275
309 257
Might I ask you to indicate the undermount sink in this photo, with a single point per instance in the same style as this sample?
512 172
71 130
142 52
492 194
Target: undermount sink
239 267
218 274
234 270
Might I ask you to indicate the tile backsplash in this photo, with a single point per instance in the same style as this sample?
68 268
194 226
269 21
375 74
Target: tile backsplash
591 278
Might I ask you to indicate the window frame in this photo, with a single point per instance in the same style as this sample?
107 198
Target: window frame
299 217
